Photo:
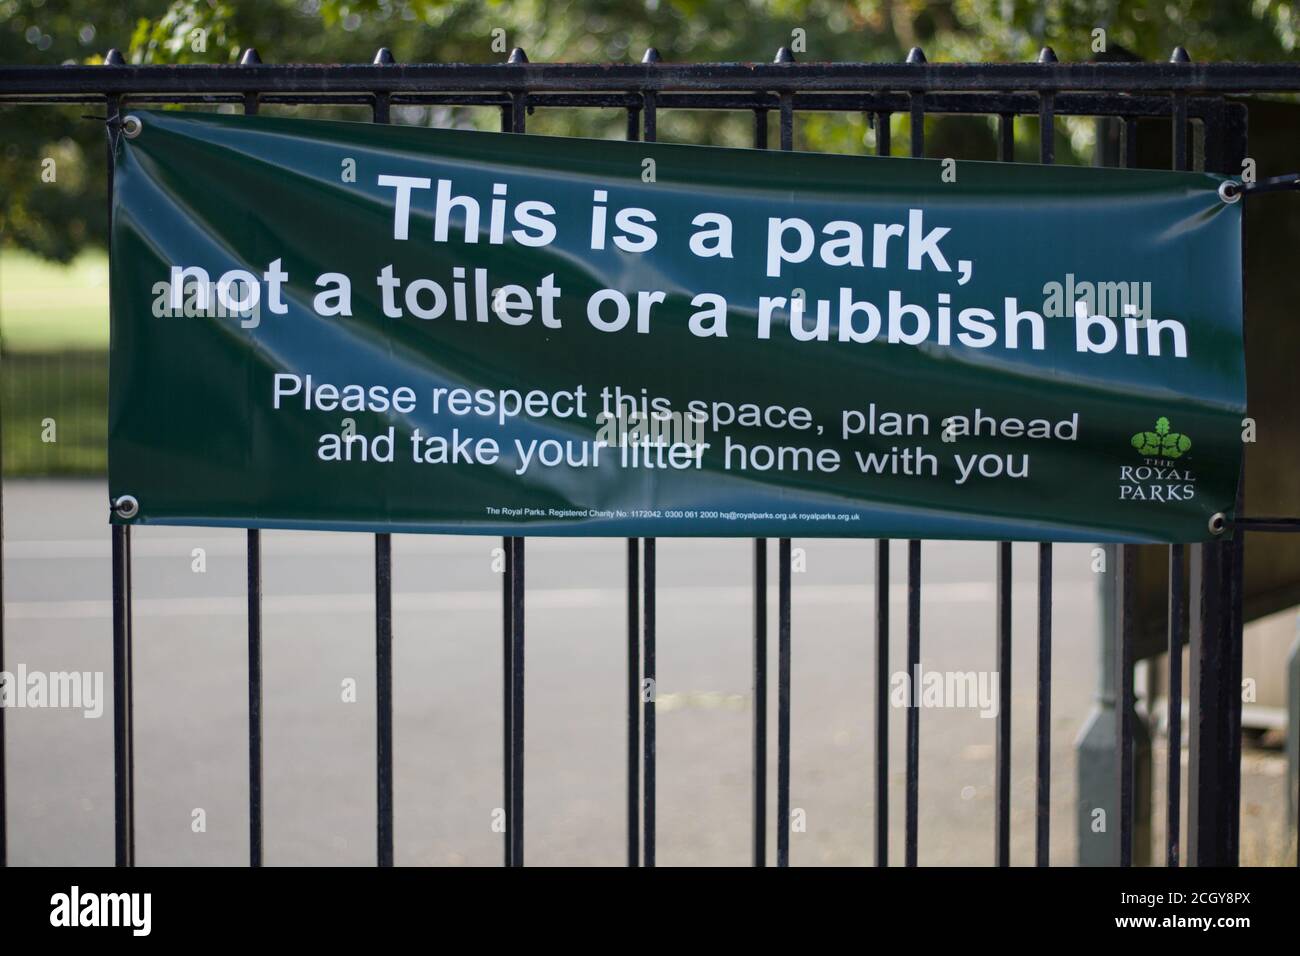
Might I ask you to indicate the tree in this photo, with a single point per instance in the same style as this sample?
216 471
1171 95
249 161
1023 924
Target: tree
56 218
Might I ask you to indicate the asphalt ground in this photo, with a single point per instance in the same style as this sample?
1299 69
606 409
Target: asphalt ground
319 757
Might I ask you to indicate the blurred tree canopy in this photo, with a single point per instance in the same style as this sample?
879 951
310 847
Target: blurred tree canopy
57 218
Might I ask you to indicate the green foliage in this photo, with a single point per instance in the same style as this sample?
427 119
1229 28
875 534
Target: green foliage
189 32
1161 443
1147 444
57 219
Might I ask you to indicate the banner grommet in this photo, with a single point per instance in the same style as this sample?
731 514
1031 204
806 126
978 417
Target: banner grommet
131 126
126 506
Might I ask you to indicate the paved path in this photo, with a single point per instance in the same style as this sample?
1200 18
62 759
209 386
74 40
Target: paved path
319 751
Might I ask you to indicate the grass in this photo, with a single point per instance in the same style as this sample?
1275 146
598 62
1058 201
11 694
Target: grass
47 307
61 396
54 369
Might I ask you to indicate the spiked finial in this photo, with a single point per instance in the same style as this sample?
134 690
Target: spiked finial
383 57
114 58
784 55
651 55
916 55
1179 56
1047 55
517 55
250 58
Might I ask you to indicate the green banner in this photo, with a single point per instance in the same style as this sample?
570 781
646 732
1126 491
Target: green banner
352 326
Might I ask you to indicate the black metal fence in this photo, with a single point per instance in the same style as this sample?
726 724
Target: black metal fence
1207 129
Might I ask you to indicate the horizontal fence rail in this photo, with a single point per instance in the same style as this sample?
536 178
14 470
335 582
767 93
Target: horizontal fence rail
1204 600
72 82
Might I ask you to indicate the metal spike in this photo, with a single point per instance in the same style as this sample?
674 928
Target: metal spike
1047 55
916 55
114 58
517 55
1179 56
384 57
784 55
249 58
651 55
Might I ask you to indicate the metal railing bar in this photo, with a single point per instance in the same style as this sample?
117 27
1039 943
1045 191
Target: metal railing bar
1050 104
383 625
326 79
1177 613
786 133
1047 129
1126 557
1275 525
1174 698
883 146
915 64
507 692
254 586
1002 747
1213 807
882 699
254 697
759 745
507 635
1002 785
1006 138
633 701
787 121
516 811
649 693
650 134
783 704
123 709
1043 790
759 822
123 695
913 711
633 632
991 104
1232 138
514 119
1128 144
384 696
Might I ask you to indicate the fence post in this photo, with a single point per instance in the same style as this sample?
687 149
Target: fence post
1214 737
1214 773
1097 747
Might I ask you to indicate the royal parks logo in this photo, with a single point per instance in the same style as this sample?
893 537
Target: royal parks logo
1160 477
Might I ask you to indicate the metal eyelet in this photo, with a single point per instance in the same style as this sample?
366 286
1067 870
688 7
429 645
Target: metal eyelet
126 506
1230 191
131 126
